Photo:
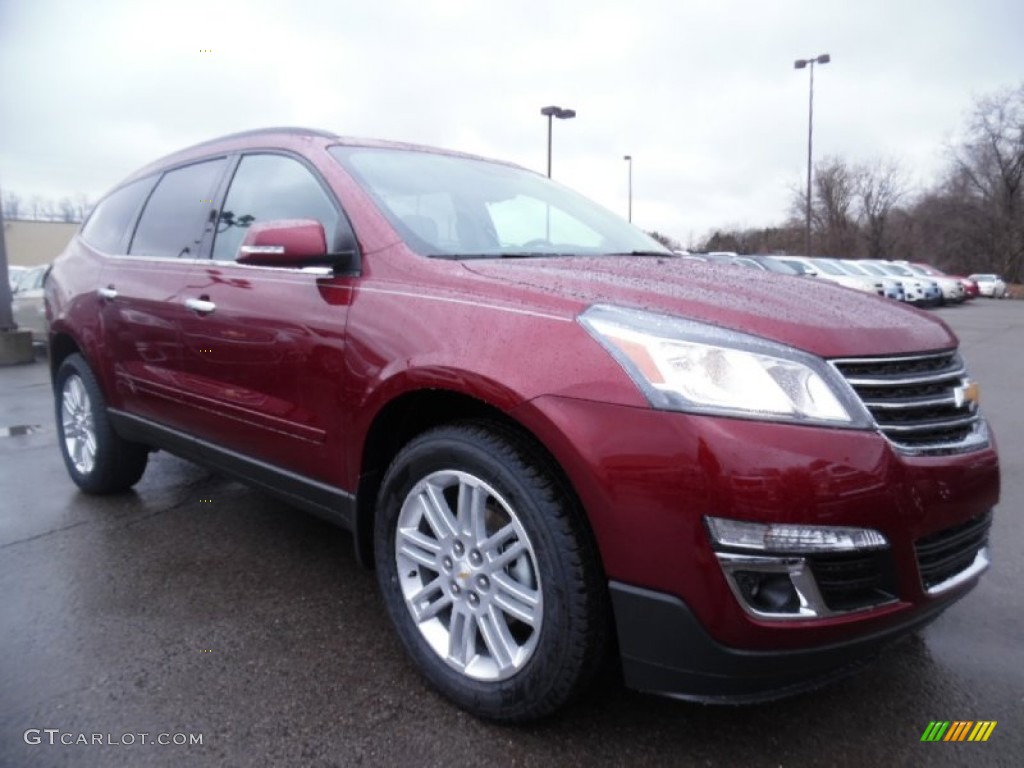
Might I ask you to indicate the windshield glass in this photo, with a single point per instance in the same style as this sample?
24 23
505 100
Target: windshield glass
458 207
871 269
828 267
895 269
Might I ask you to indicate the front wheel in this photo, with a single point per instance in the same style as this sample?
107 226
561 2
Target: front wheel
96 457
488 573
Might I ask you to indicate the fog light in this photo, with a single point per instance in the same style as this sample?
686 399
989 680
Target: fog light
768 592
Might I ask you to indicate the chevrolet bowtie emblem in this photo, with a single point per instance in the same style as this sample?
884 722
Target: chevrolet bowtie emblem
966 393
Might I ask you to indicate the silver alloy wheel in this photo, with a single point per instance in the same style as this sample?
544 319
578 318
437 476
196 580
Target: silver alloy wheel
77 422
469 576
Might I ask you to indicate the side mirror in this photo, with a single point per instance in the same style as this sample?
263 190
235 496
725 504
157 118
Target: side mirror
288 243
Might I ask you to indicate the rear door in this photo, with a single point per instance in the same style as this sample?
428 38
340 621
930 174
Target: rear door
142 291
264 359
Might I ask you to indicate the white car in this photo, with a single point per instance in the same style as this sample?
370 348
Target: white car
952 289
892 287
27 303
992 286
832 273
13 273
920 290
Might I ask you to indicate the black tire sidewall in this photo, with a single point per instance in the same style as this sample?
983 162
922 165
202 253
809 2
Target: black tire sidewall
117 463
549 676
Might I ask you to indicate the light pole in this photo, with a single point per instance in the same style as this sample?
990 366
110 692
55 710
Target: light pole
629 160
800 64
561 114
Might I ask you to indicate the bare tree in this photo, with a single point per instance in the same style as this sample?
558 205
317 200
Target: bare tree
83 206
878 187
832 217
987 179
665 240
67 209
12 205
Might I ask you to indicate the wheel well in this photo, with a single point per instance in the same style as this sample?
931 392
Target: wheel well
408 416
61 346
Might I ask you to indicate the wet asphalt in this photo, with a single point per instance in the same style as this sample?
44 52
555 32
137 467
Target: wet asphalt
195 606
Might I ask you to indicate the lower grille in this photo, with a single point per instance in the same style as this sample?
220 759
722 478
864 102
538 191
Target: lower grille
850 581
944 555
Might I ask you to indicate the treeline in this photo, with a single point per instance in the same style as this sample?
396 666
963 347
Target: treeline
38 208
970 220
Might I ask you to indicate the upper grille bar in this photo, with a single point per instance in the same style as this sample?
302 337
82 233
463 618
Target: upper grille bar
918 401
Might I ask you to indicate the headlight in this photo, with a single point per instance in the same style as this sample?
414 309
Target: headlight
688 366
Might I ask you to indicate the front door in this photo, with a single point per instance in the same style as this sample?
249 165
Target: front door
263 347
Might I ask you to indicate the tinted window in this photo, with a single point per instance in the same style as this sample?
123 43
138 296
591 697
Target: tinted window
171 223
110 224
268 188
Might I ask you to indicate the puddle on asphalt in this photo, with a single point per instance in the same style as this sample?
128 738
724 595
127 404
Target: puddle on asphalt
20 429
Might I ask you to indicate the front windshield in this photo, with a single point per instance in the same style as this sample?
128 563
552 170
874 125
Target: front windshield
894 269
828 267
855 269
872 269
457 207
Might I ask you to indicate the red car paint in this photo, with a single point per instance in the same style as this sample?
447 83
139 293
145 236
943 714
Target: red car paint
294 371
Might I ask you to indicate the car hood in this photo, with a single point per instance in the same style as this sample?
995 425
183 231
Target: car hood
813 315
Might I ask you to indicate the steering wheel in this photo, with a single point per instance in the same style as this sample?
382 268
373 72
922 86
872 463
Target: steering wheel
537 242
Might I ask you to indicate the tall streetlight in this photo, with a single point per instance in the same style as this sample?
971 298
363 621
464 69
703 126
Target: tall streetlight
629 160
561 114
800 64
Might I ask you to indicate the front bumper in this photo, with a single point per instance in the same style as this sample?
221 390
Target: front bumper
648 480
665 650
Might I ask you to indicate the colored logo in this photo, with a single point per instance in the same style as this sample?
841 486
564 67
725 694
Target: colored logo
958 730
968 393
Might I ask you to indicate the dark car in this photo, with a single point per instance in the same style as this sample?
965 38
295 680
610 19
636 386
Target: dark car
550 436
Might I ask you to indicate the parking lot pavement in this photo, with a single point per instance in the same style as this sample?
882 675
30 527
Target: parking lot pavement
197 607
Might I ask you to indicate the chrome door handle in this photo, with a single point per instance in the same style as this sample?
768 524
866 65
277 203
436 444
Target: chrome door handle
200 306
107 293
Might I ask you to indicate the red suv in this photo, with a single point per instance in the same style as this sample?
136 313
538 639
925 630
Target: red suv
549 435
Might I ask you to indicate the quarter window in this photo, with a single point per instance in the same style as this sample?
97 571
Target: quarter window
269 188
172 221
109 227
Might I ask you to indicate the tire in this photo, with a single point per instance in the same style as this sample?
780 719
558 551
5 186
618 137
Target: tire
97 458
489 573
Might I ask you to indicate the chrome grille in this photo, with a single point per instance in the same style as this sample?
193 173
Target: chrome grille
918 401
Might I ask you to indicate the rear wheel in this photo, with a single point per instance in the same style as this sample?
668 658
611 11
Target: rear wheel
97 458
488 573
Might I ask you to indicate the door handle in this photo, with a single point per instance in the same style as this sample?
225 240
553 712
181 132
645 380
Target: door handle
200 306
107 293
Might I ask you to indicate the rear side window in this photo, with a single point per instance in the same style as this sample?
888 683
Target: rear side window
268 188
172 221
109 227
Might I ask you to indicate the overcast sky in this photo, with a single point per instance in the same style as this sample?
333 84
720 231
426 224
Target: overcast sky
702 93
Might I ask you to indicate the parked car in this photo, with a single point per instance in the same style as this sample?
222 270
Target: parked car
27 304
992 286
970 287
833 274
923 291
767 264
891 288
13 272
952 288
549 435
